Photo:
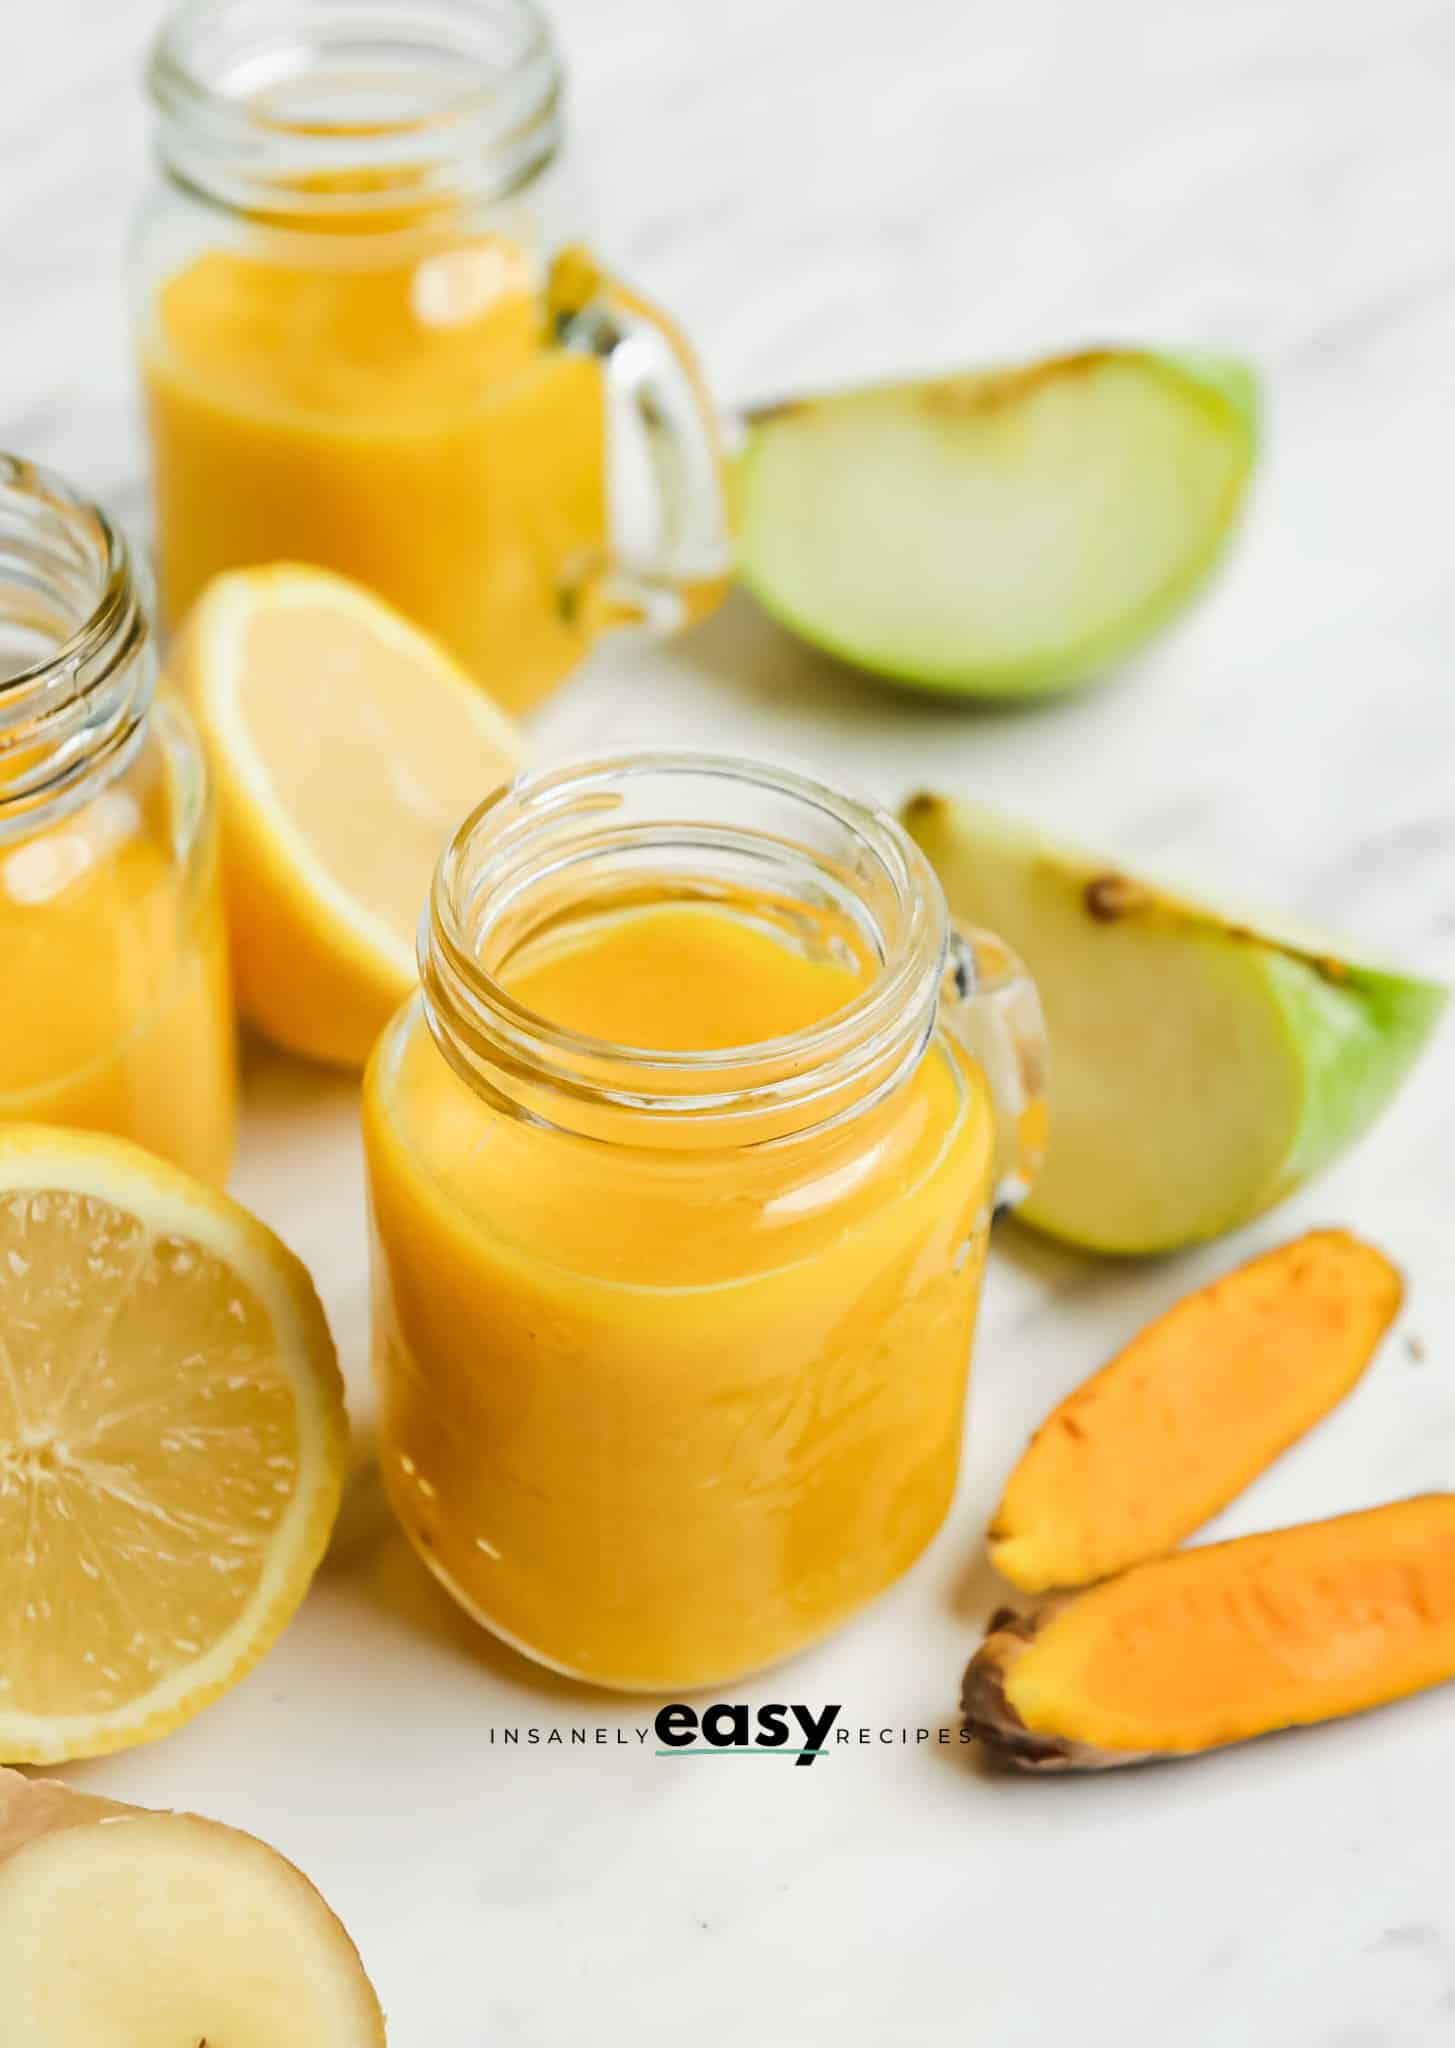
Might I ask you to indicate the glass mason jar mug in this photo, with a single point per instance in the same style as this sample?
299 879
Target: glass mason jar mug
681 1167
117 1015
369 341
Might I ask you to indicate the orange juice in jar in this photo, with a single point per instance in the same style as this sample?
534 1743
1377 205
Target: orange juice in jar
368 341
681 1165
117 1015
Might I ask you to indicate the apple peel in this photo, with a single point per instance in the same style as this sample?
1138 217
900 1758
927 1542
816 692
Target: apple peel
1012 531
1205 1061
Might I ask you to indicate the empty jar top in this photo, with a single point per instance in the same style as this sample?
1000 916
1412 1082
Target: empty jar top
301 109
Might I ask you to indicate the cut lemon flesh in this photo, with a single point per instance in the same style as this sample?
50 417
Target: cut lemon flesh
172 1444
346 747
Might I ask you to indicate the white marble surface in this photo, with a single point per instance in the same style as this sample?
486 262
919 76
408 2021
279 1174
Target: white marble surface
824 189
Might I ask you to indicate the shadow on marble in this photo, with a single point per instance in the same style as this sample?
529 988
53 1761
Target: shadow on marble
372 1554
978 1591
1053 1266
277 1083
742 645
1060 1273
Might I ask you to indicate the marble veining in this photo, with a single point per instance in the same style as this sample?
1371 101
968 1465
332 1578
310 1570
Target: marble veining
825 190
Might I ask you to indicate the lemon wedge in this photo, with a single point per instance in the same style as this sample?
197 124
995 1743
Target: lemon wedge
172 1443
346 746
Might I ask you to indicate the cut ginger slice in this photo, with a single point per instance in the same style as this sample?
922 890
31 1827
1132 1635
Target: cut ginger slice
121 1928
172 1444
1153 1445
1225 1642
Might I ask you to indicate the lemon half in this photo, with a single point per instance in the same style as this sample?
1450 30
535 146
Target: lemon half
172 1443
346 746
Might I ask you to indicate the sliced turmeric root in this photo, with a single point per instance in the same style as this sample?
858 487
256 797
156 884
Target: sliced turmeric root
1153 1445
1222 1643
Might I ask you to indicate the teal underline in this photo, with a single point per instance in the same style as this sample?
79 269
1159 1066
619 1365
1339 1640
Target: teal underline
731 1749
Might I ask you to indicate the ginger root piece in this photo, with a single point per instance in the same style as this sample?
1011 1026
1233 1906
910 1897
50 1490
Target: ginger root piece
1218 1644
122 1928
1153 1445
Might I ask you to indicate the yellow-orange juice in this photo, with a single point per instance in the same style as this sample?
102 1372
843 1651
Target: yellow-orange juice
661 1416
403 421
117 1015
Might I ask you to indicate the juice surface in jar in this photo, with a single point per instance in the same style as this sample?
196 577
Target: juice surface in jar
661 1416
117 1014
401 421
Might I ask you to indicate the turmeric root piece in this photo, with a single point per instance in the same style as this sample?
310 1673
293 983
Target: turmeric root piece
1215 1645
130 1928
1153 1445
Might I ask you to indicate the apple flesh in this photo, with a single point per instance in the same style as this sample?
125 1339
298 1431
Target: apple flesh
131 1929
1204 1064
1010 532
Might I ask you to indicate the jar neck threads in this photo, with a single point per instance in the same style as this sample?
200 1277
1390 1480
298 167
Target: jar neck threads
77 666
342 113
684 828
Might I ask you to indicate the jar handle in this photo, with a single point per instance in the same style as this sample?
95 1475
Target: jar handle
668 552
992 1009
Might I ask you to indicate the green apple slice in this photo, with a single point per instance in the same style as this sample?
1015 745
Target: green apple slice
1009 532
1203 1063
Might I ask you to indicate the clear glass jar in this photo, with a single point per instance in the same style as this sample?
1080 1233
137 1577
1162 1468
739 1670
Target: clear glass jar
369 337
117 1015
672 1344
